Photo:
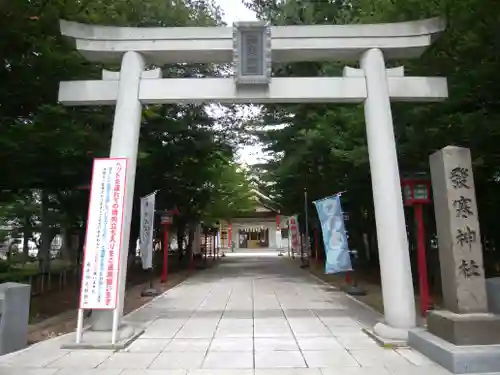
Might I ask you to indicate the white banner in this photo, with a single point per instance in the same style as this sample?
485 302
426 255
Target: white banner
104 234
147 226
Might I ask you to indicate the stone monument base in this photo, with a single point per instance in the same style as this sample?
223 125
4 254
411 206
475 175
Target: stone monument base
465 329
91 339
465 359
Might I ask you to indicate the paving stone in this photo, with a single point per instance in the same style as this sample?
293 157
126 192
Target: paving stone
148 345
279 359
125 360
82 359
94 371
232 344
220 372
378 357
26 371
188 345
328 358
275 344
319 343
153 372
178 361
247 316
288 371
228 360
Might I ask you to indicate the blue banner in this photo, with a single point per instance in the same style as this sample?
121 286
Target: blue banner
334 235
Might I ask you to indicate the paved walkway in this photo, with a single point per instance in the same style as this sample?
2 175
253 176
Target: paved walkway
248 316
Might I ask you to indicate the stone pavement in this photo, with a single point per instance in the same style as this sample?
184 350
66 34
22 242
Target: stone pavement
251 315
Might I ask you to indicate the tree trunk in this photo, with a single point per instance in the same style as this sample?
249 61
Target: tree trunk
81 243
26 238
181 229
189 246
134 232
45 235
68 252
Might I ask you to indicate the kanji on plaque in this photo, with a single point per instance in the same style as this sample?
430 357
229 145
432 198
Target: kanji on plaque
104 233
463 207
469 269
459 176
466 237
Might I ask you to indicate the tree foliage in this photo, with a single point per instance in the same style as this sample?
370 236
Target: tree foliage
323 148
46 150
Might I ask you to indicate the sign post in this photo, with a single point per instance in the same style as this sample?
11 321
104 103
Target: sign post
146 240
166 220
100 274
294 234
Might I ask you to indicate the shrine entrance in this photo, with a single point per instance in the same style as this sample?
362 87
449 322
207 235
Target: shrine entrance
252 47
253 238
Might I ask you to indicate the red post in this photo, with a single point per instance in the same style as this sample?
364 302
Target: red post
422 262
164 274
348 277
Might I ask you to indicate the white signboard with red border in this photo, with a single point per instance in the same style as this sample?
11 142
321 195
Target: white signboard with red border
101 264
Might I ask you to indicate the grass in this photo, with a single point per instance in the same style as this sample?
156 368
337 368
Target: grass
55 265
21 272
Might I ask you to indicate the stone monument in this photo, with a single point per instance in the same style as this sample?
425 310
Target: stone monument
465 337
14 316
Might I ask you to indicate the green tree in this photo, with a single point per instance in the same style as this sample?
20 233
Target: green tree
48 148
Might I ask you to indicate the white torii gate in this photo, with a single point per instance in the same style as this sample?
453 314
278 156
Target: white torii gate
373 84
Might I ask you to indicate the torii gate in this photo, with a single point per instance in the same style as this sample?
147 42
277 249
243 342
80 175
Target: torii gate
252 46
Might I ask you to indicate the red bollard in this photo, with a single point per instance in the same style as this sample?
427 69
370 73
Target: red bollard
422 261
348 277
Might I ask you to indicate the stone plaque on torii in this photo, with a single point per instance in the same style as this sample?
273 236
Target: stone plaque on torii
252 47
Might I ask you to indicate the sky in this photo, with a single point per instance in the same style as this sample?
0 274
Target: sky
234 11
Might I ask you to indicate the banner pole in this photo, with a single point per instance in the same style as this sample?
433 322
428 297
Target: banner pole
79 326
306 211
114 332
151 277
